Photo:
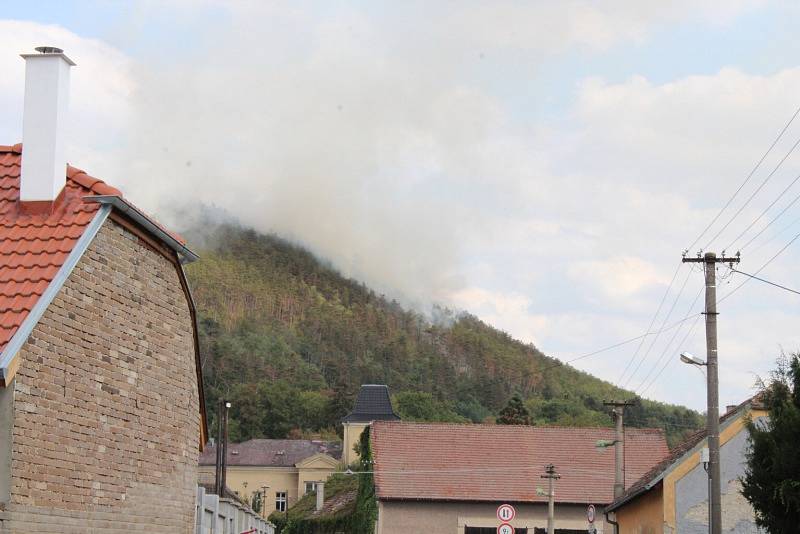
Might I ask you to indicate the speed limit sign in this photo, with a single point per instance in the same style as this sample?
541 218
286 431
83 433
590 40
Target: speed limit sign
505 513
505 528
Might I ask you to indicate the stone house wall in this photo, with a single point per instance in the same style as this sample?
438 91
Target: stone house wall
106 418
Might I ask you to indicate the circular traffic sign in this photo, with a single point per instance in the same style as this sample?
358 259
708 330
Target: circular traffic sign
505 513
505 528
590 513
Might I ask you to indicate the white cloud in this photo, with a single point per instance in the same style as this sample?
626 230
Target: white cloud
617 278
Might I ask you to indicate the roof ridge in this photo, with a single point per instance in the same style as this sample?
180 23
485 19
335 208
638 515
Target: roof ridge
496 426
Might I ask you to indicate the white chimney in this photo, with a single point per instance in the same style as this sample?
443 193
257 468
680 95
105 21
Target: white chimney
44 121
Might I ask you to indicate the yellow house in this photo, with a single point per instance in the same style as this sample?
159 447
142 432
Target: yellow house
282 470
673 496
373 404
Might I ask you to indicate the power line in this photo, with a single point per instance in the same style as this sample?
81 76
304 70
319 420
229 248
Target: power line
766 281
737 288
669 360
620 344
650 326
668 345
653 342
746 180
778 216
764 212
753 195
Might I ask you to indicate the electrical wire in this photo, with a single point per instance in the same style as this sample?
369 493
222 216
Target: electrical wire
746 180
669 360
653 342
764 212
737 288
766 281
770 223
754 193
620 344
667 346
775 235
650 326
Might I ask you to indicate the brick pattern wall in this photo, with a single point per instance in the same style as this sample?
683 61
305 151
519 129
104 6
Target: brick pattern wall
106 416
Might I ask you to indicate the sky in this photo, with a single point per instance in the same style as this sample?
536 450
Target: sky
542 165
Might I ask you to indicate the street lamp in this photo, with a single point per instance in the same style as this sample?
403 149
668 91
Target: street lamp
691 359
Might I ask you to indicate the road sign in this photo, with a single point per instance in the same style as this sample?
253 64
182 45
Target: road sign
505 513
505 528
590 513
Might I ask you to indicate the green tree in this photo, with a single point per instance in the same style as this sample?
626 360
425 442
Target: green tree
514 413
772 477
418 406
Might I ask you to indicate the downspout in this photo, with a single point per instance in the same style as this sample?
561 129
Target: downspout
610 522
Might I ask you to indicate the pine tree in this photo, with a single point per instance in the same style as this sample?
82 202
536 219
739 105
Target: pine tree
514 413
772 477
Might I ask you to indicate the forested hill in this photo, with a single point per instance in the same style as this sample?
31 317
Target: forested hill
289 340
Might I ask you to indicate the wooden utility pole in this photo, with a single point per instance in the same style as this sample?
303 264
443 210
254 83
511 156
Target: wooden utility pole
227 405
710 261
218 459
550 474
619 445
221 463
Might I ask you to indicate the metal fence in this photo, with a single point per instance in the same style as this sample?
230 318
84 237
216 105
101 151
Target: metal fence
227 516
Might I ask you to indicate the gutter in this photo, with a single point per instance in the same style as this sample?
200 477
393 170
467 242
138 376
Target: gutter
123 206
8 360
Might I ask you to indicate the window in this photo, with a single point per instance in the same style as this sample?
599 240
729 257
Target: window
311 487
559 531
280 501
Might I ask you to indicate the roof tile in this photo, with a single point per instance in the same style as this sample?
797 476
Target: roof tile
463 462
33 247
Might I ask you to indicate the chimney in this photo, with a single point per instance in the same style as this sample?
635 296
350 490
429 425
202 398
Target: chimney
731 407
44 121
320 495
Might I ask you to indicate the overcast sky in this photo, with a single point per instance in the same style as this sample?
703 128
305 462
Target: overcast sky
539 164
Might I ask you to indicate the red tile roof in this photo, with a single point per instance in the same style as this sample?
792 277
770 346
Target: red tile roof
452 462
34 246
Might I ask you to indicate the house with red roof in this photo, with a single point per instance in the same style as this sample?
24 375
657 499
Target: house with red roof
101 402
451 478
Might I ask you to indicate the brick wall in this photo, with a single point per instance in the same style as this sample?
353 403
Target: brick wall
106 416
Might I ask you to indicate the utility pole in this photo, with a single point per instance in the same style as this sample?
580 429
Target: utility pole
218 459
619 445
551 475
221 463
710 261
225 448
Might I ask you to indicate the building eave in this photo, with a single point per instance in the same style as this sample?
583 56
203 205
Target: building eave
123 206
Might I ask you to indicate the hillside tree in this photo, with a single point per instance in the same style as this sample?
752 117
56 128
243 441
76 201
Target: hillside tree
514 413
